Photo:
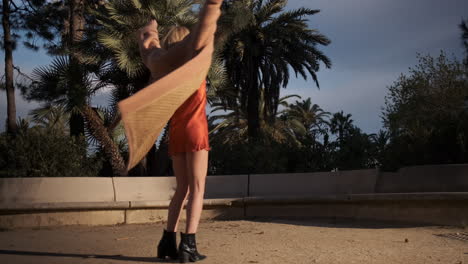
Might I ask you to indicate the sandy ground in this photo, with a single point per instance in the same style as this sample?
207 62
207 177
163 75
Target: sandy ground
247 241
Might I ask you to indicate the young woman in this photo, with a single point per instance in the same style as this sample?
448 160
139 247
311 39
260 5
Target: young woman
188 134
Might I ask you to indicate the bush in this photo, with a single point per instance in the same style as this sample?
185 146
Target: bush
40 152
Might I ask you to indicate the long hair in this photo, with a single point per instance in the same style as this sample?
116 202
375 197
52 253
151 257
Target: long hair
174 35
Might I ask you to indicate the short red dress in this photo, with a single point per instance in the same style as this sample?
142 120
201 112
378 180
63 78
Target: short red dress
188 127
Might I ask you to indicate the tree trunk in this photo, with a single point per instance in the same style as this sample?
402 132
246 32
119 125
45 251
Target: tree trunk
75 23
99 131
76 124
139 169
151 161
161 164
10 88
253 101
76 20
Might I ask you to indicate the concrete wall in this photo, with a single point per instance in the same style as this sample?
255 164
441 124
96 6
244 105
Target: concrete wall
163 188
434 178
52 190
431 178
433 212
426 208
71 189
358 194
307 184
226 186
144 188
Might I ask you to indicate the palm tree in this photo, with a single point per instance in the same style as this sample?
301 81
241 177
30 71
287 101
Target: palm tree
232 126
8 46
115 131
464 29
341 125
229 135
60 24
53 85
260 56
381 139
51 117
311 115
380 143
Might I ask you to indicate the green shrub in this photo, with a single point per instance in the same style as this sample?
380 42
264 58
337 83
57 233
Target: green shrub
39 152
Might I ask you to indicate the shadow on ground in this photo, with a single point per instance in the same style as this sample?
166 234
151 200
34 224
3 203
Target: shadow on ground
337 222
86 256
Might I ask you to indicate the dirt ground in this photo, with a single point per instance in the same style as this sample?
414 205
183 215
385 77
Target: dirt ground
247 241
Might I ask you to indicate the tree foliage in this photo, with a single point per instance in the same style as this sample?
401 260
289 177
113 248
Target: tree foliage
259 57
44 151
464 28
426 114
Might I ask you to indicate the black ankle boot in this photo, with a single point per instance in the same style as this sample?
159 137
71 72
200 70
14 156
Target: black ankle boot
188 249
168 245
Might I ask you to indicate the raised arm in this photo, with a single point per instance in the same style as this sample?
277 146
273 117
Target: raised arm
160 61
204 31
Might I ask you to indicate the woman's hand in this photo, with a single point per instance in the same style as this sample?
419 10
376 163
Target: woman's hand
148 43
206 27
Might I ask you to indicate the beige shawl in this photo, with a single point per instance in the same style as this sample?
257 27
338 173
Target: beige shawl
146 113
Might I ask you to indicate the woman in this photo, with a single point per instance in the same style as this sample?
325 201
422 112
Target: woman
188 134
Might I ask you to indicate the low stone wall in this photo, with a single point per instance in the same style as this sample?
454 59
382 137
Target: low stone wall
421 208
431 178
227 186
359 194
94 189
307 184
52 190
434 178
144 188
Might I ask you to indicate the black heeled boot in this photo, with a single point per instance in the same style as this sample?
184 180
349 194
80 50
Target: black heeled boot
168 246
188 249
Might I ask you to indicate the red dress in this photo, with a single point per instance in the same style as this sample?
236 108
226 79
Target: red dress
188 127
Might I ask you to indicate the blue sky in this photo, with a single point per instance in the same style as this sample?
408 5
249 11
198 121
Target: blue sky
373 42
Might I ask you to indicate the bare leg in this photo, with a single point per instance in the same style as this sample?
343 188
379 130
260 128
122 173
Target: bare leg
197 165
175 207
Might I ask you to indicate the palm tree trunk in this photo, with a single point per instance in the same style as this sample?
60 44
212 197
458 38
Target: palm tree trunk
99 131
253 101
76 124
151 161
161 164
76 20
75 32
10 88
340 136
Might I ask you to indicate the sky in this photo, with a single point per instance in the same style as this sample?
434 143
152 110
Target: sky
372 43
